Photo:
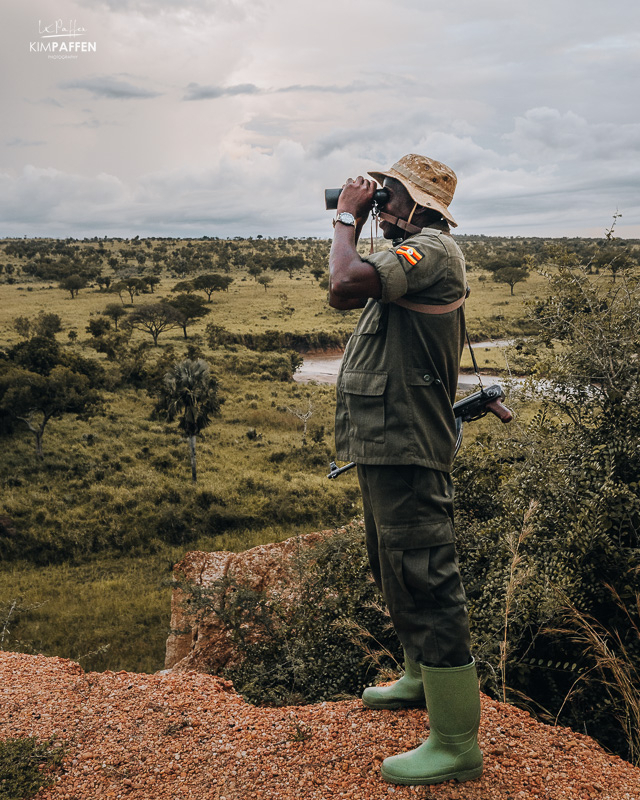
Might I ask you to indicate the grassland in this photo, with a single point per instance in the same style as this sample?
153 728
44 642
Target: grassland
101 520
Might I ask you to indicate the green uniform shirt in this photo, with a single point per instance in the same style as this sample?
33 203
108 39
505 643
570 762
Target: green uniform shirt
399 374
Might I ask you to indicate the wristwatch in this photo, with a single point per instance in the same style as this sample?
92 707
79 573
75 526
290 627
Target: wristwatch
346 218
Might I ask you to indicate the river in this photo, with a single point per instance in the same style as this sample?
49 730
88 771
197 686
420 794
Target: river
324 368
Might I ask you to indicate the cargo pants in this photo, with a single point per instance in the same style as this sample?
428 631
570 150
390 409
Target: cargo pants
408 515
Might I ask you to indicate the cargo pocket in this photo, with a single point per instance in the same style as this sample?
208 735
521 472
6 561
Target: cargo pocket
364 397
421 569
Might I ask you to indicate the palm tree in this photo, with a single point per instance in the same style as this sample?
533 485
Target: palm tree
190 393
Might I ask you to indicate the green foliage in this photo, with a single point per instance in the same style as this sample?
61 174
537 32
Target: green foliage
190 392
154 319
572 471
39 354
189 308
510 276
73 284
34 399
289 264
26 766
307 644
115 311
98 326
44 325
277 340
212 282
269 366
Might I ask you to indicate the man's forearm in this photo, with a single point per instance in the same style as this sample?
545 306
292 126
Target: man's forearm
351 280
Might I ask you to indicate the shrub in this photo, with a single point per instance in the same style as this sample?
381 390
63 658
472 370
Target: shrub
311 645
26 766
302 342
577 461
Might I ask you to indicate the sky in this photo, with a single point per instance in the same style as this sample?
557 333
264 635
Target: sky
230 117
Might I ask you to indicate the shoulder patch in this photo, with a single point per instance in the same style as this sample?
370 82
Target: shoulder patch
411 254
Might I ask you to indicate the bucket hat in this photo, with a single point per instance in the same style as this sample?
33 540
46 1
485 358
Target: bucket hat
430 183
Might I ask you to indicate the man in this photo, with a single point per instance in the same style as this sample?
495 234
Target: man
394 418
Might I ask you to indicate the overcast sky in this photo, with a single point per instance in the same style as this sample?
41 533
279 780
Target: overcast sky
230 117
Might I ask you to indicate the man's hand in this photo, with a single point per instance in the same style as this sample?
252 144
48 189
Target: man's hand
356 197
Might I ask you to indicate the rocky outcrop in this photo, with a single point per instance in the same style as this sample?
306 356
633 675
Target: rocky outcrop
205 644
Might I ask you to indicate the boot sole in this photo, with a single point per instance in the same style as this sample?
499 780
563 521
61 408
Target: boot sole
467 775
395 706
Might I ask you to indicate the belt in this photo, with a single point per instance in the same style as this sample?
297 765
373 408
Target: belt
431 309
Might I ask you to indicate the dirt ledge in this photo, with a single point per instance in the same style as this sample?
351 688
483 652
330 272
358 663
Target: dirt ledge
189 735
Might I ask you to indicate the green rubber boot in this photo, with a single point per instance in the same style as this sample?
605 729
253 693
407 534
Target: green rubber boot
451 750
407 692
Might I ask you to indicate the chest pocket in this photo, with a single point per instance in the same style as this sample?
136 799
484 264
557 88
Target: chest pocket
364 397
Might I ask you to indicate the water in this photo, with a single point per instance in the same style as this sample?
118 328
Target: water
324 369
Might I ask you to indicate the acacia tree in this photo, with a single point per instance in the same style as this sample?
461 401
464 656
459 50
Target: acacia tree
190 393
115 312
73 284
154 318
34 399
190 308
288 264
212 282
511 276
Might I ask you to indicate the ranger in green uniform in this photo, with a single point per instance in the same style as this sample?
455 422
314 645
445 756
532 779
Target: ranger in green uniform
394 418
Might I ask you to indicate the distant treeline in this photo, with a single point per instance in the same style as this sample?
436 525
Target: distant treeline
92 259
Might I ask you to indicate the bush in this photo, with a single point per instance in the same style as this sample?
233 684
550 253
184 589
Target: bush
312 645
277 340
549 513
26 766
261 365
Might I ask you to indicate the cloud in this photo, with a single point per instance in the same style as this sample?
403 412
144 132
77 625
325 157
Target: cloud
280 193
46 101
349 88
19 142
197 92
545 132
111 88
47 199
236 10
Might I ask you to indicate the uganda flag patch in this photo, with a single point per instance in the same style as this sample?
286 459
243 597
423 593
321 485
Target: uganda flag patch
409 253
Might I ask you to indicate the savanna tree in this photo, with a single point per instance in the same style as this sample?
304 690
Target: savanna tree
190 308
34 399
154 319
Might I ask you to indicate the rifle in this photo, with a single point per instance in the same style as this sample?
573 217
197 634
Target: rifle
470 408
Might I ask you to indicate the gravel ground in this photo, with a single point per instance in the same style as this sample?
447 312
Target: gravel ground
189 735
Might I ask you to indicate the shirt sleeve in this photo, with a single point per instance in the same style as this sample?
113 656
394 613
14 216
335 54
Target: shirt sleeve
414 265
392 276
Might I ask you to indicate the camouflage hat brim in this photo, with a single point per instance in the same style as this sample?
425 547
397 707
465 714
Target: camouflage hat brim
421 197
428 199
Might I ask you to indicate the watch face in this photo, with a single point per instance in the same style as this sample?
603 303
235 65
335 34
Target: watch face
346 218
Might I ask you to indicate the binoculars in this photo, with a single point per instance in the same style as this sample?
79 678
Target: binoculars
380 197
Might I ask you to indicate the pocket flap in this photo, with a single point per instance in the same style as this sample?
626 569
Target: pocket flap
364 382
